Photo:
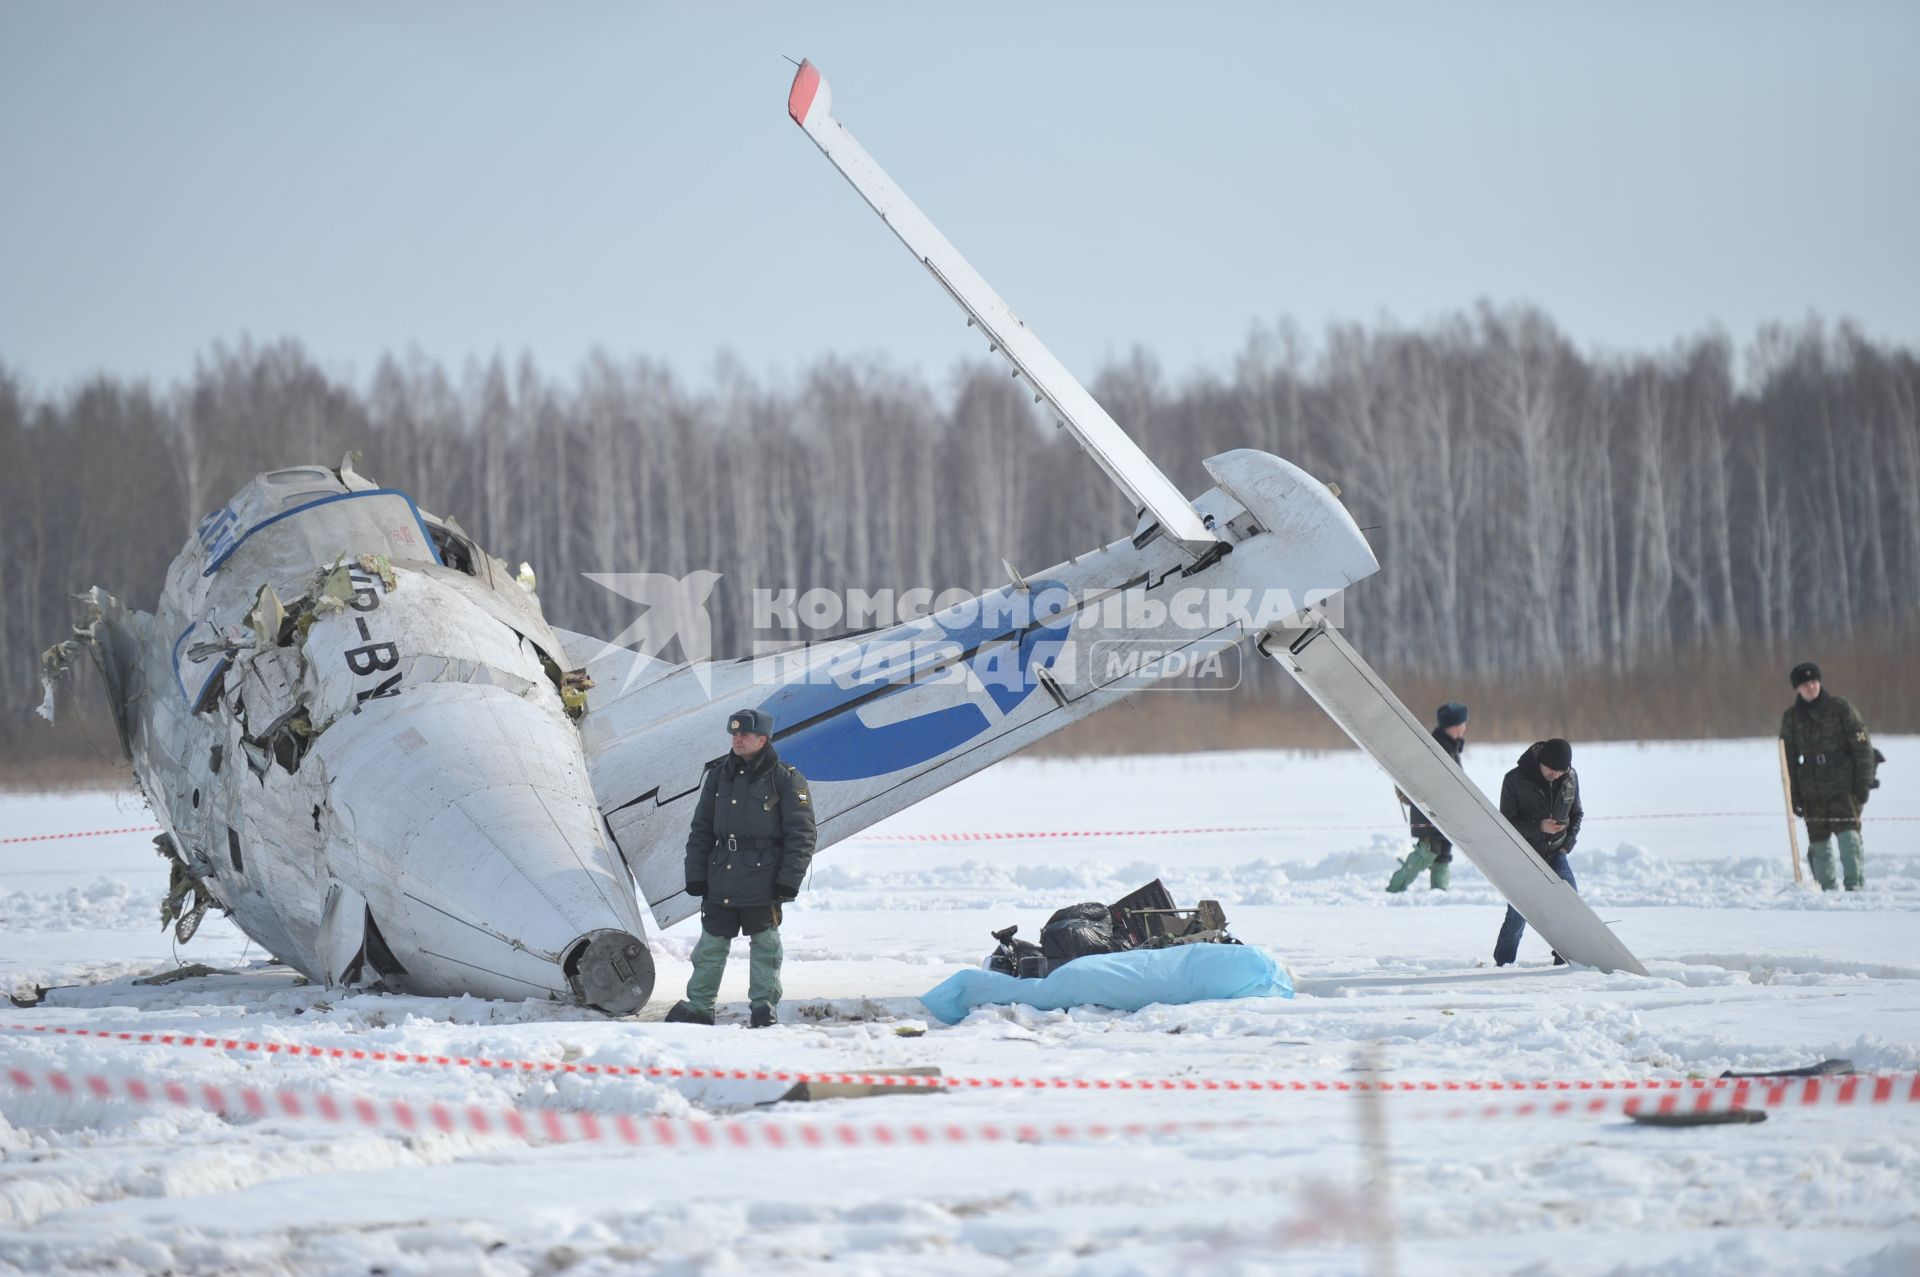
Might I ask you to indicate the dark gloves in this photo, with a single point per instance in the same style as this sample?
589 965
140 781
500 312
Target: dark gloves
1798 810
783 893
697 888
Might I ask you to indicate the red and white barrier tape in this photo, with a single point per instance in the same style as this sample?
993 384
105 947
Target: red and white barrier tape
560 1126
1045 834
563 1126
1057 834
1290 1086
84 833
1731 1093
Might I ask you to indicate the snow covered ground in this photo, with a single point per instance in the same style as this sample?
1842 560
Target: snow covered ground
1748 971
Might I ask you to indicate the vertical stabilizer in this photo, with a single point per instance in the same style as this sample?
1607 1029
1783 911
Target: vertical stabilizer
810 103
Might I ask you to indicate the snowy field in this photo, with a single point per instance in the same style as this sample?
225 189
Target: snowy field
1684 852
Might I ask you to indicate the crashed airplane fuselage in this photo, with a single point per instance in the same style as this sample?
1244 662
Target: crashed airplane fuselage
364 741
349 721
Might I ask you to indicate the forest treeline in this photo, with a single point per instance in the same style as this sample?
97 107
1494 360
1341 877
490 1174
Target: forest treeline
1537 510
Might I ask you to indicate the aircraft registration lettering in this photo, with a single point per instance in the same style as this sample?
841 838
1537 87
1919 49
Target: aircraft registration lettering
219 532
371 657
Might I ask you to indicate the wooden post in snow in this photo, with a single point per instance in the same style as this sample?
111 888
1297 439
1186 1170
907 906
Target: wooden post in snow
1786 787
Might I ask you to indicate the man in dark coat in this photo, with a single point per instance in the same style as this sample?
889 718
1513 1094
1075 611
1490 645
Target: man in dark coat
1540 798
1831 763
747 854
1431 850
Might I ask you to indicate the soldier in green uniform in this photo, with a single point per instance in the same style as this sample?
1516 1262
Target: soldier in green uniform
1831 763
747 855
1431 850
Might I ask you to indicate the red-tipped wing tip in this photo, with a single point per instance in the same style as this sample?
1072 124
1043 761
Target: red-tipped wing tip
806 83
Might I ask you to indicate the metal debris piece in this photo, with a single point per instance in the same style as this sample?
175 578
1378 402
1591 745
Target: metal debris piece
807 1091
188 972
333 588
267 617
1826 1068
190 921
1722 1117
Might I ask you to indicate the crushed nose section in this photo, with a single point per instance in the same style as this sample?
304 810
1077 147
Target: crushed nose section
463 815
611 971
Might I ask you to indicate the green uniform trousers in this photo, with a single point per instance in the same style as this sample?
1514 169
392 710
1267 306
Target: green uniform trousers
1421 858
1853 859
710 964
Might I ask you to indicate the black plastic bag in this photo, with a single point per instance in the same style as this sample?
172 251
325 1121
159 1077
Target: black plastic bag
1013 957
1079 930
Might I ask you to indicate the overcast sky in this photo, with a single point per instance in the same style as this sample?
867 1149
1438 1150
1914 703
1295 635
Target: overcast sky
466 179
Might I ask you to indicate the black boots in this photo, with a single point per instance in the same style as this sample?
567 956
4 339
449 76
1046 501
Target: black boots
687 1013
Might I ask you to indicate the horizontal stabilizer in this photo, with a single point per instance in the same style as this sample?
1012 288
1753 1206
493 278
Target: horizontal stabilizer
1354 697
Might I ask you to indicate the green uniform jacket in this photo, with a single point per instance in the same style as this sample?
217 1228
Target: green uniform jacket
752 831
1830 760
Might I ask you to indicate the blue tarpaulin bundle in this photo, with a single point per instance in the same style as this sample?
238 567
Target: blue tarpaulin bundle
1123 981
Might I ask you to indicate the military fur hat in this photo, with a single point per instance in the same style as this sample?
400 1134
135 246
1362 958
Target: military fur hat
1802 672
757 721
1452 714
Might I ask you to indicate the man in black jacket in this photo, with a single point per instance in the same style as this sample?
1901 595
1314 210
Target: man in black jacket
747 854
1540 798
1431 850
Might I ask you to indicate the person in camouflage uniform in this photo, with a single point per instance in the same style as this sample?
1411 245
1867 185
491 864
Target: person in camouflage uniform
1431 850
1830 765
747 854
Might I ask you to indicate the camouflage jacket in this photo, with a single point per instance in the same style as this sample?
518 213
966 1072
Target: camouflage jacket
1829 755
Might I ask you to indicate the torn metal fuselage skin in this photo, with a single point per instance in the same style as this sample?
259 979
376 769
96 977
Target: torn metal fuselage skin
347 718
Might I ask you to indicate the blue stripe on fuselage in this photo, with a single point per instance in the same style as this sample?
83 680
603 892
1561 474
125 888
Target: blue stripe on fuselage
839 746
236 542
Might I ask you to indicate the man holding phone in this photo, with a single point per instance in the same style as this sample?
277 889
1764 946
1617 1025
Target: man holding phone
1540 797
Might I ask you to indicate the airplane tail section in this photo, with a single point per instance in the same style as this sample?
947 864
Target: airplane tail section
879 721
